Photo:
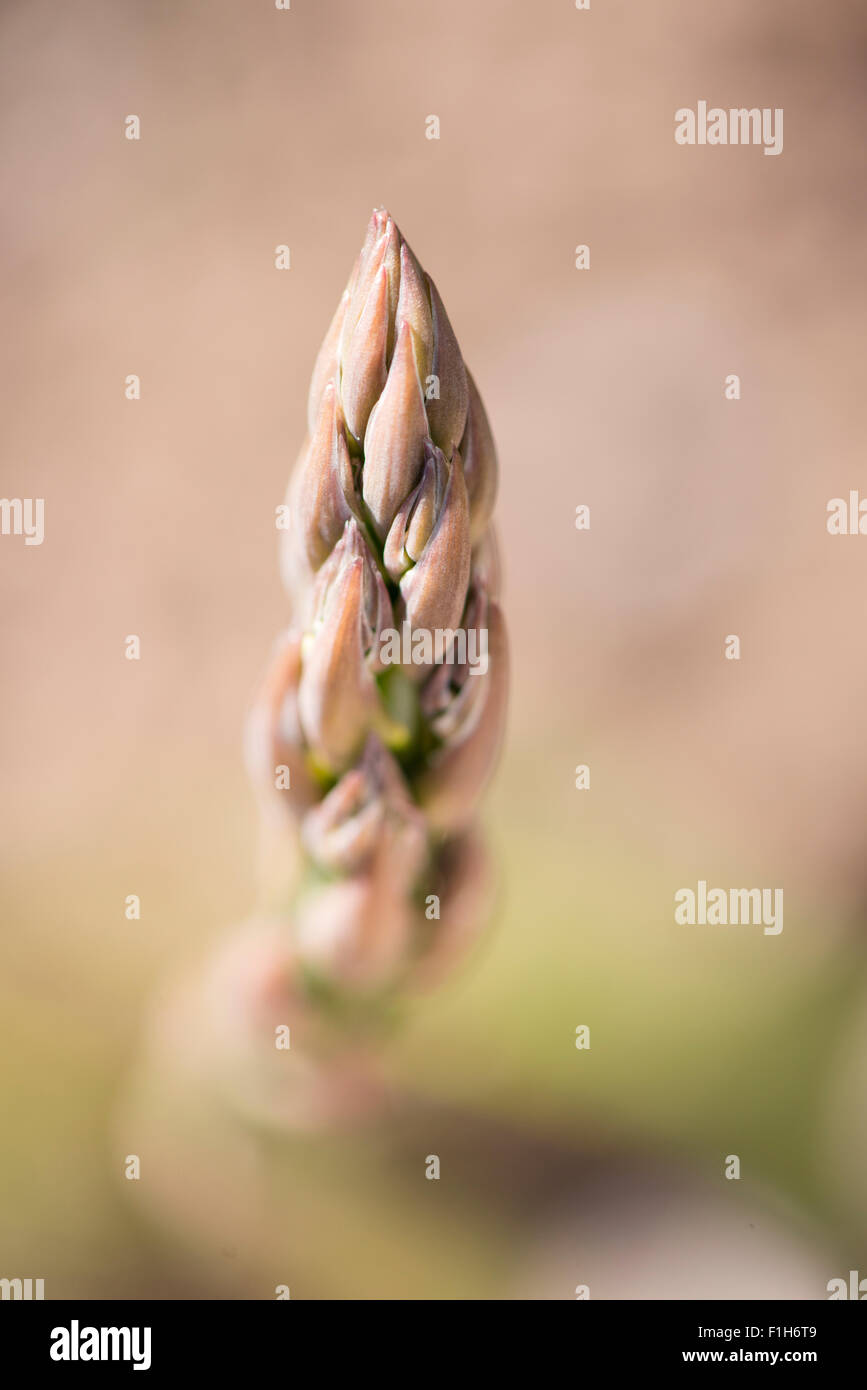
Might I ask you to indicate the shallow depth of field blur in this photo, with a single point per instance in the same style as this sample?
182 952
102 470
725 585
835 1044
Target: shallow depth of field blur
259 127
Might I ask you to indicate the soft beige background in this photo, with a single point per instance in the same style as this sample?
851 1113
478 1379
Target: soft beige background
708 517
